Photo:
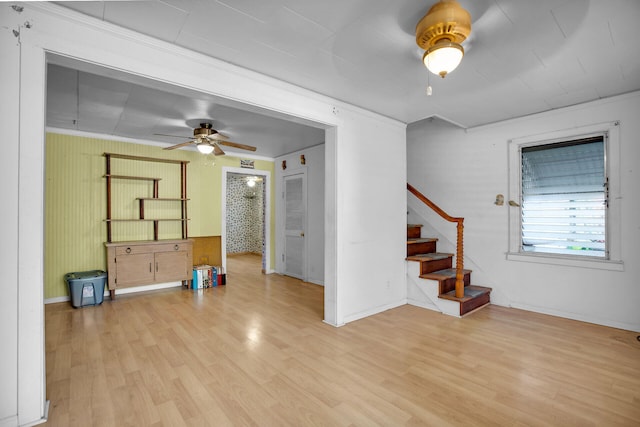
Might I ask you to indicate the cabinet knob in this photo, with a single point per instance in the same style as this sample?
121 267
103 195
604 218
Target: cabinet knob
176 247
128 250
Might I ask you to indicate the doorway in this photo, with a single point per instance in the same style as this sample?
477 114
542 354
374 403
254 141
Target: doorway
245 215
29 168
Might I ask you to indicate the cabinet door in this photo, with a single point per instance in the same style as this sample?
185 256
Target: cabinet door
172 266
134 269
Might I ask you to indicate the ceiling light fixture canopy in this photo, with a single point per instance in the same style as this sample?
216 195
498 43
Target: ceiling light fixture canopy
440 32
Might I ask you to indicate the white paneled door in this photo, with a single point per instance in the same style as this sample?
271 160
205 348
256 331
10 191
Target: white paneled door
295 201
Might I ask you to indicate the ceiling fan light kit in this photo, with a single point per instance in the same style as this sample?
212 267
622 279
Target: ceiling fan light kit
440 32
443 57
205 148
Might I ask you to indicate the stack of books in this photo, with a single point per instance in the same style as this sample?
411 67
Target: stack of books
204 276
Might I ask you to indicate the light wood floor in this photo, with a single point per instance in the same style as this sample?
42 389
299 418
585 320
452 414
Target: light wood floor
256 353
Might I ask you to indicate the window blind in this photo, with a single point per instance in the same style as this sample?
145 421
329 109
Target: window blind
564 198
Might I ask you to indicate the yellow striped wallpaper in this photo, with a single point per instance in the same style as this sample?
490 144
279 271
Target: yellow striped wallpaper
75 201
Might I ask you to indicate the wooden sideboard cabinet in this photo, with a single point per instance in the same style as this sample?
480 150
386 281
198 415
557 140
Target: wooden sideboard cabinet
147 262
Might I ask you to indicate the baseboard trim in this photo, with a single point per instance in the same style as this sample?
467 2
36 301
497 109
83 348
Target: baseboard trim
422 304
372 311
154 287
56 300
132 290
572 316
10 421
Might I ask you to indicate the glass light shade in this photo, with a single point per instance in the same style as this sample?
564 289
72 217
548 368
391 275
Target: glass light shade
205 148
443 57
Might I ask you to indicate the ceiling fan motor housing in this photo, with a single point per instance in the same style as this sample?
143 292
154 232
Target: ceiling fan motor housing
446 20
204 130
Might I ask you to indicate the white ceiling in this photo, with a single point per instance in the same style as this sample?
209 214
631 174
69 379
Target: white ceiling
84 98
523 57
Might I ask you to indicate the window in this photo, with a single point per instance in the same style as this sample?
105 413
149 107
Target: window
566 186
564 197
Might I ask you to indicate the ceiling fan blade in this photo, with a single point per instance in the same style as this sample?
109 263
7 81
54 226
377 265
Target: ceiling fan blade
173 136
216 137
217 151
178 145
220 135
236 145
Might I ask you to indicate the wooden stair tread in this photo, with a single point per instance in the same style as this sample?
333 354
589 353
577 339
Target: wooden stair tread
413 225
414 240
449 273
429 257
470 292
475 297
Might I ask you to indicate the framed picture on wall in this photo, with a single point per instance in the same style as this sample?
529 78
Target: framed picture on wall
247 164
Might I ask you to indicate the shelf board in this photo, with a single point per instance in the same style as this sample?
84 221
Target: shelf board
162 199
144 159
142 178
147 219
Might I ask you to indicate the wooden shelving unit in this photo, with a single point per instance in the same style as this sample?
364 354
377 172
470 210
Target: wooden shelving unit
141 200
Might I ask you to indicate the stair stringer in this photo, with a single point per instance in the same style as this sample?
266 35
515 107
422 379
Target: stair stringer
424 292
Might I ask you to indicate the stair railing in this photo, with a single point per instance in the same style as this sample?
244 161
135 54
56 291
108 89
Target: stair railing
459 244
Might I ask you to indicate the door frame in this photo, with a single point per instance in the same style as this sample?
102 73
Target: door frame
266 175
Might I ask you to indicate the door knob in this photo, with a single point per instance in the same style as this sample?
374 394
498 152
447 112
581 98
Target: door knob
302 234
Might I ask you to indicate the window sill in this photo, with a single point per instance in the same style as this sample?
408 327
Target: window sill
566 261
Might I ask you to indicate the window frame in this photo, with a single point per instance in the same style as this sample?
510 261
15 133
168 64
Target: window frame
612 168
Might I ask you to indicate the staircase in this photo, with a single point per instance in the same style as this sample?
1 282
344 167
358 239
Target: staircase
432 273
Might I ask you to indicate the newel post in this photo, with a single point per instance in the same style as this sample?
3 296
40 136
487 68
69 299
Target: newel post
459 262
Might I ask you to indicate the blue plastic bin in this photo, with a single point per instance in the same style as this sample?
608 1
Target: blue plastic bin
86 287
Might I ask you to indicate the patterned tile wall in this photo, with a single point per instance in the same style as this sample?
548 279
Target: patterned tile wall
245 215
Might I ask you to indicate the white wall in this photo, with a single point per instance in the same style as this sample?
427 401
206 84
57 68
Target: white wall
365 197
462 171
371 214
9 72
314 234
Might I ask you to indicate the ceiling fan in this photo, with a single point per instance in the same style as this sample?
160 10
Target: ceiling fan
208 140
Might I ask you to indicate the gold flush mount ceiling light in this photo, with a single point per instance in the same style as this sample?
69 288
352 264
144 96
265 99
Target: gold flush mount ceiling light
440 32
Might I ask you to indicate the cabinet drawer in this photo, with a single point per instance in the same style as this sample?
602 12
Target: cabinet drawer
171 247
156 247
134 249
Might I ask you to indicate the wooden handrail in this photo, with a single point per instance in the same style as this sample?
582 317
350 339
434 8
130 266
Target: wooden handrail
459 243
